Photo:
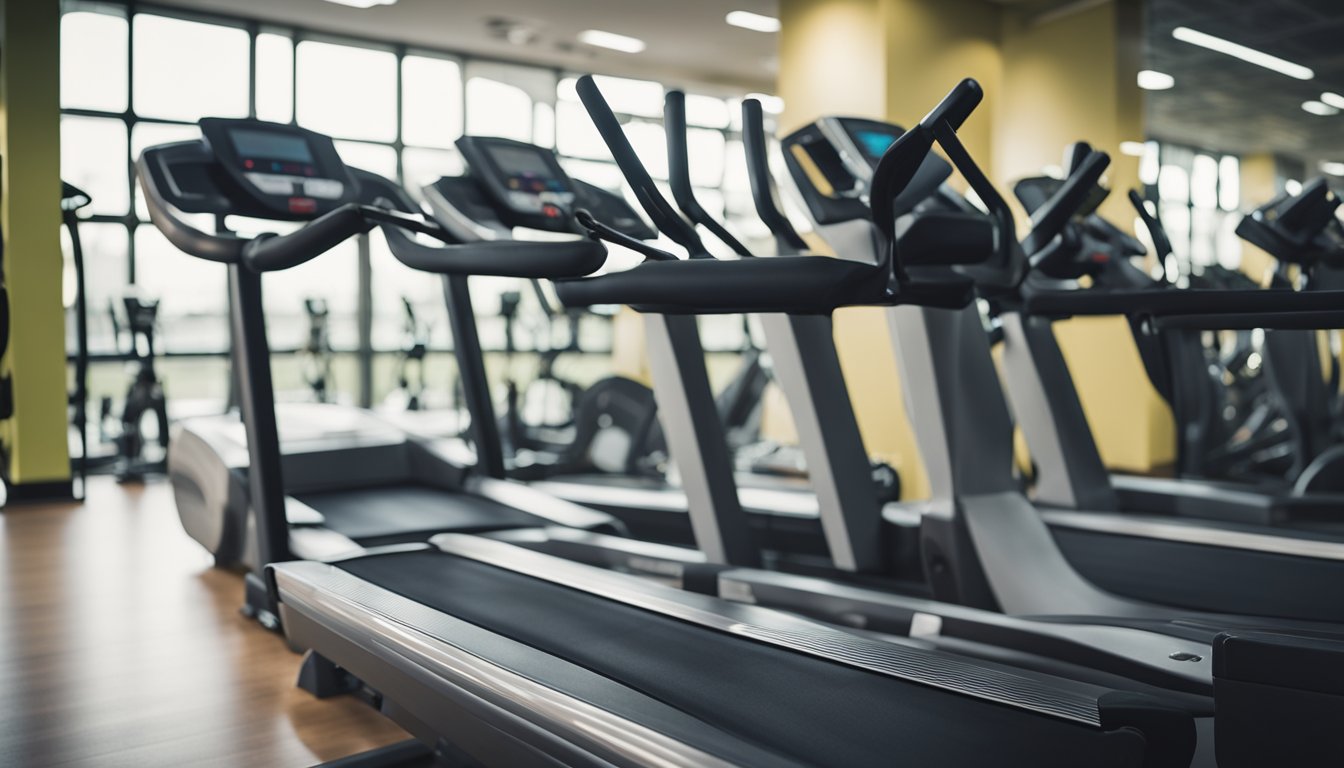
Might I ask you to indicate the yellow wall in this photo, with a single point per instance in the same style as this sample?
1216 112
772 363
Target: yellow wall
30 216
1259 184
1049 80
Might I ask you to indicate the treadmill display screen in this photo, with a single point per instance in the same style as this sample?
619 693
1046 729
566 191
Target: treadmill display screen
873 143
525 170
273 152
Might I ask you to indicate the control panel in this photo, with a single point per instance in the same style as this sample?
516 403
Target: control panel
526 182
289 172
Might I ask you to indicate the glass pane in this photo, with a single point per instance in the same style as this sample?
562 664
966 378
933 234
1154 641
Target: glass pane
106 260
1203 236
543 125
347 91
1229 184
193 294
332 277
706 152
498 109
575 134
1173 185
431 111
604 175
707 111
145 135
1204 182
93 158
93 61
632 97
650 144
1229 244
395 285
186 70
375 158
275 78
425 166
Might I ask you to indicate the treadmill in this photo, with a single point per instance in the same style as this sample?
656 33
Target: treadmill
486 205
1069 468
984 544
489 653
351 480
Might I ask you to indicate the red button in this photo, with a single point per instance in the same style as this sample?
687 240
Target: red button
551 211
302 205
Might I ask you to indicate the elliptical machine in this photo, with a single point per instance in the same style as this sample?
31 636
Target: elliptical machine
315 355
144 395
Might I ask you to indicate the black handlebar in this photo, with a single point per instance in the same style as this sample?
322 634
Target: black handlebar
957 105
664 216
1049 219
498 258
1158 233
271 253
679 173
763 191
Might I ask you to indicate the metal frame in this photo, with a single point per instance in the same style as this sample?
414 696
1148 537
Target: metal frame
364 351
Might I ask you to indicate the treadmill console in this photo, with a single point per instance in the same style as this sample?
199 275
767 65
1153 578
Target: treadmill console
832 162
512 184
290 172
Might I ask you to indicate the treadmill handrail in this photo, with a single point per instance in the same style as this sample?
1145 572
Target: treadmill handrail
663 215
763 190
1049 220
497 258
265 253
1151 302
679 173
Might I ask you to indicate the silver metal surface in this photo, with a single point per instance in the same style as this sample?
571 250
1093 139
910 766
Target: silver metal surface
1191 532
335 598
1045 696
807 369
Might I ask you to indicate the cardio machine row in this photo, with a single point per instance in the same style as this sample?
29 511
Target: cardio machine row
499 649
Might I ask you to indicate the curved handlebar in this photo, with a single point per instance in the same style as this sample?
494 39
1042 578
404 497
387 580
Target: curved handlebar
957 105
679 173
762 182
1158 233
664 217
498 258
226 249
273 253
1049 219
1074 155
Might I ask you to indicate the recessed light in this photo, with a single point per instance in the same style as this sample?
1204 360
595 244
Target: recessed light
612 40
1318 108
1333 99
1236 50
362 3
1151 80
1131 148
1333 168
752 21
773 105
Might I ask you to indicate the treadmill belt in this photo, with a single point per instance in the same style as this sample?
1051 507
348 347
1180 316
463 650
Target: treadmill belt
867 719
400 513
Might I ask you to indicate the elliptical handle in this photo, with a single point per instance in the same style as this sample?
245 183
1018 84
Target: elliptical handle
679 173
956 106
763 191
1049 219
663 215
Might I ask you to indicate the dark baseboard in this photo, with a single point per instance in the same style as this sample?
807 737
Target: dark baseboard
28 493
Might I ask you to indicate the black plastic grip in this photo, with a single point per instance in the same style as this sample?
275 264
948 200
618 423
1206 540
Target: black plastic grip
1049 219
957 105
663 215
226 249
270 254
679 173
1074 155
498 258
762 182
1158 233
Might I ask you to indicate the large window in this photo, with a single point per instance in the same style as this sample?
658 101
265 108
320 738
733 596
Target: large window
134 76
1198 195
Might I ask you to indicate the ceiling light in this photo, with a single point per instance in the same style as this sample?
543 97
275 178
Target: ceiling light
1333 99
611 40
1317 108
1131 148
1334 169
769 104
752 21
1150 80
362 3
1259 58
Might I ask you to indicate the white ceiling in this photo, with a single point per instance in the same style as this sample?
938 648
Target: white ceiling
687 39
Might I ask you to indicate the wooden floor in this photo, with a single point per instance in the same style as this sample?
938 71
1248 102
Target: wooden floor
121 646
